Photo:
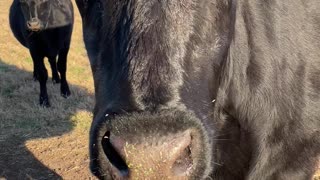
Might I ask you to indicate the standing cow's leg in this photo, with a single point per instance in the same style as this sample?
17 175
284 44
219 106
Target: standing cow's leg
35 73
53 64
62 68
43 76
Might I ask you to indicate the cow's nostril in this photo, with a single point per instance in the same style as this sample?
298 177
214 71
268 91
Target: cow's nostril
120 168
183 165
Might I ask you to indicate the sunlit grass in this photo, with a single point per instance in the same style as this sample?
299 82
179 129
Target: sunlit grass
67 121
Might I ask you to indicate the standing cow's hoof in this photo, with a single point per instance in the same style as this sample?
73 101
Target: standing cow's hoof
65 91
44 102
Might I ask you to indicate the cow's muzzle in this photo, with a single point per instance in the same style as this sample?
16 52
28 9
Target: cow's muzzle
34 24
150 146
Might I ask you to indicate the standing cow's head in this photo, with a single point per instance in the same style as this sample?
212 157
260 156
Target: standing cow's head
156 66
45 14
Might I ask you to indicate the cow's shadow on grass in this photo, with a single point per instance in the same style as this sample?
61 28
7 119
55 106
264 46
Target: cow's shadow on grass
22 119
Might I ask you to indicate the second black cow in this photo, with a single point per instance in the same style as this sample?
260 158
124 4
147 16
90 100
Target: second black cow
204 89
45 28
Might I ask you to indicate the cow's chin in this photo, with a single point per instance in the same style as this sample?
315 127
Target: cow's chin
167 145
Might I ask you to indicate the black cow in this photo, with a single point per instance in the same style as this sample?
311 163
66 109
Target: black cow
197 89
45 28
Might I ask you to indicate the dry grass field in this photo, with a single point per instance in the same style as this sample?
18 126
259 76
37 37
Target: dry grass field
43 143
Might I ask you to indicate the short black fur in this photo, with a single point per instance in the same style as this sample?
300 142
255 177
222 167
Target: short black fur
247 70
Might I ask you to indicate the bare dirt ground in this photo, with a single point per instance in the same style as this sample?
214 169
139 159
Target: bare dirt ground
35 142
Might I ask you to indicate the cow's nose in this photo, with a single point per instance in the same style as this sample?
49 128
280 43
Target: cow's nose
33 24
165 157
164 145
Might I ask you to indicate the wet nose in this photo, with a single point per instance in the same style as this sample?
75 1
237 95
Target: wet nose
163 145
33 24
169 157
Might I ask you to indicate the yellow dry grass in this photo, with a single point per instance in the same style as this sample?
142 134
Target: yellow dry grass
43 143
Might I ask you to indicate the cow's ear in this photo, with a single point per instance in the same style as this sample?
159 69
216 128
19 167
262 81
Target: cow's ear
82 6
